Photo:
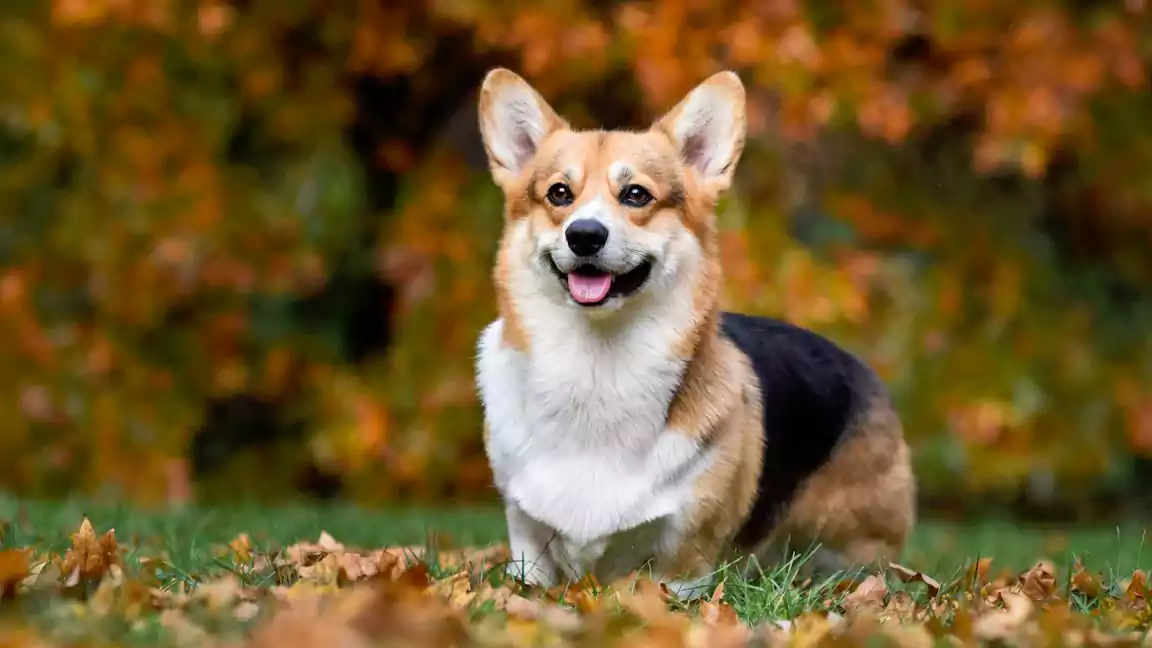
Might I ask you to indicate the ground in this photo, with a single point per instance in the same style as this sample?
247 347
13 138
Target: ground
257 551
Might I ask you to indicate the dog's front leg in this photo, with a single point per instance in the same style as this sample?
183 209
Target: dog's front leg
531 562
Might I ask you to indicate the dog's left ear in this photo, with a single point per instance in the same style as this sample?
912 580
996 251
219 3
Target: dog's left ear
708 127
514 119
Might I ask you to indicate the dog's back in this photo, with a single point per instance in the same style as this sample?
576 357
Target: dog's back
826 415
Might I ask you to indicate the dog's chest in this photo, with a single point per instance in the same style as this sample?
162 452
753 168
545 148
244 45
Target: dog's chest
577 436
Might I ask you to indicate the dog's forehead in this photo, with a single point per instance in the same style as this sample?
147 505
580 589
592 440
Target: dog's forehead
612 156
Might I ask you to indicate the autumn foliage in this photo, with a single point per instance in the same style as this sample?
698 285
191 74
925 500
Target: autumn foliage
956 189
325 593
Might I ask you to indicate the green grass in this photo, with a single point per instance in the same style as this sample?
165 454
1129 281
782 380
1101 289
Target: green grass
189 538
936 547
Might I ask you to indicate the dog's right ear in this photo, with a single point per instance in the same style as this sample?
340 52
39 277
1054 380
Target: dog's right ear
514 119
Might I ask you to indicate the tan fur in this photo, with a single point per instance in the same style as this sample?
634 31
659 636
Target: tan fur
719 404
862 502
514 335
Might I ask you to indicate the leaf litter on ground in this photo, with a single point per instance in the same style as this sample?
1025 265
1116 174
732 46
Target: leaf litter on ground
326 593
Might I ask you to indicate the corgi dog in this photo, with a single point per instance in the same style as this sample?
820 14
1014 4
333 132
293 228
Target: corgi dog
629 421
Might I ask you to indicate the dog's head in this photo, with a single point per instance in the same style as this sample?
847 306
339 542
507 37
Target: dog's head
594 219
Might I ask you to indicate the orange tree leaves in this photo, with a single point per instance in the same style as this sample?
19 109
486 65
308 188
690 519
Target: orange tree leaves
175 175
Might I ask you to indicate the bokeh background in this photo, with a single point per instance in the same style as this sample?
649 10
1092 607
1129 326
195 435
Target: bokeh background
245 246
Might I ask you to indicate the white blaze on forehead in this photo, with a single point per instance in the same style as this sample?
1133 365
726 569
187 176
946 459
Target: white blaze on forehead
574 175
595 209
617 171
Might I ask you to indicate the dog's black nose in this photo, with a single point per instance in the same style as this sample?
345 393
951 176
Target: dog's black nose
586 236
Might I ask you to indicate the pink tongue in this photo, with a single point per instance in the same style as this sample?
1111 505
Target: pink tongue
589 289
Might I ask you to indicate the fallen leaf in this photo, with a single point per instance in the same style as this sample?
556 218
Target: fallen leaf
219 593
1039 582
325 570
184 631
456 589
1000 624
90 556
912 576
868 596
241 548
1084 582
717 593
14 568
977 574
1137 586
246 611
554 616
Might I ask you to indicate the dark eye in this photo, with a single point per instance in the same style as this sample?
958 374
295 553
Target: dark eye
559 194
635 196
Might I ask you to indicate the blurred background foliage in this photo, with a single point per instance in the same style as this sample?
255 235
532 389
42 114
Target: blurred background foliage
246 245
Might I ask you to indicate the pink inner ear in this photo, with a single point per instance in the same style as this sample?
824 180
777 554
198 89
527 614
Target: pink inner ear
516 126
707 129
694 150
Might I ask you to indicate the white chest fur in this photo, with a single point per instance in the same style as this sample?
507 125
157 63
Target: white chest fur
577 433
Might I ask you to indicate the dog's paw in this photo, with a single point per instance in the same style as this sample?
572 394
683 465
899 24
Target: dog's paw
689 590
528 574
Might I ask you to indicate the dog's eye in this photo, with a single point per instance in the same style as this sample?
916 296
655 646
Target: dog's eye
559 194
635 196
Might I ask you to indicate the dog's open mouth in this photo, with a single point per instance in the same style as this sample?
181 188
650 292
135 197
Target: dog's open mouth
592 286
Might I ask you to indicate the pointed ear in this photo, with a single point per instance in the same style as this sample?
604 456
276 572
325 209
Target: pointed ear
514 119
708 127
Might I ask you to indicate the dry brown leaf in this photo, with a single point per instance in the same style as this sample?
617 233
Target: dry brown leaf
811 629
241 548
90 556
1137 588
1000 624
403 612
183 630
460 593
295 628
43 574
902 606
246 611
326 570
14 569
868 596
474 558
908 575
720 628
718 614
908 635
1039 582
717 593
1085 582
103 599
456 590
219 593
978 573
647 600
554 616
354 566
328 543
